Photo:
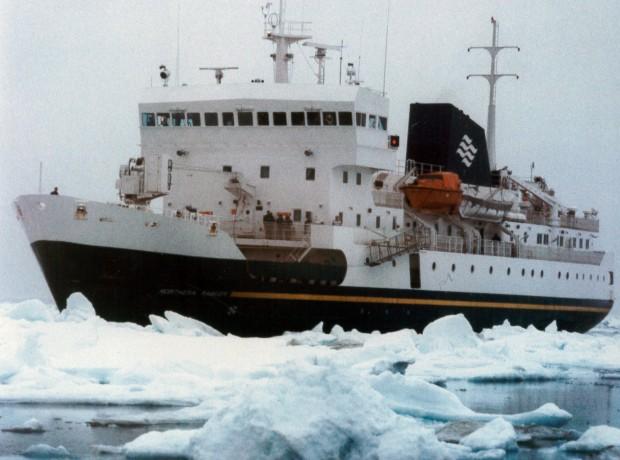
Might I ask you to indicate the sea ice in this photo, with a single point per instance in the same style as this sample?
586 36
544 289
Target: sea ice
595 439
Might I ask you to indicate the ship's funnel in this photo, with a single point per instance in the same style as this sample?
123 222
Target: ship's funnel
443 135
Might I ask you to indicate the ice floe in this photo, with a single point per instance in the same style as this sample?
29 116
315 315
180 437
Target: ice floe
46 451
496 434
28 427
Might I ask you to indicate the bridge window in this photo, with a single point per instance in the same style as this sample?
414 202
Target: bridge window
491 270
245 118
193 119
279 119
383 123
539 238
611 278
226 168
471 269
298 118
580 243
394 223
523 272
542 274
587 244
360 119
262 118
264 172
546 239
163 119
178 119
148 119
314 118
453 267
559 275
228 119
296 215
358 178
345 177
434 266
329 118
310 173
211 119
358 220
372 121
378 222
508 271
345 118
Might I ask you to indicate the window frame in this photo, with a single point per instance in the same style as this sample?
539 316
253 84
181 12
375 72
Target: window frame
224 116
243 115
329 118
310 174
265 172
347 116
212 119
298 118
277 120
261 122
191 117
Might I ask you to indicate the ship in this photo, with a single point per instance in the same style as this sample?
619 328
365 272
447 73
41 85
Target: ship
284 206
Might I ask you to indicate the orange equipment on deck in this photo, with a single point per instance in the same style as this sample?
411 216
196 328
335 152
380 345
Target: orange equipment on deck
438 192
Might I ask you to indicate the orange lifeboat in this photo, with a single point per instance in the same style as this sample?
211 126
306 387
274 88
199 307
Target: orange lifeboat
438 192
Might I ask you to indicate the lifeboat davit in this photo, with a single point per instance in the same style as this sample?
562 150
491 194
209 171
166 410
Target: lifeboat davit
438 192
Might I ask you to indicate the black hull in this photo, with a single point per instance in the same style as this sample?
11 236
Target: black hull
241 298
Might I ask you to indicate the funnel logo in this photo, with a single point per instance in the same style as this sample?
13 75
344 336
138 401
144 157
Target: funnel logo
466 150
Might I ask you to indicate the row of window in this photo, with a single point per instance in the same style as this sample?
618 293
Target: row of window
533 273
251 118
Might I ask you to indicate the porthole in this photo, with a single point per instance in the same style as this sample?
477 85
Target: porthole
590 276
559 275
490 270
532 273
453 267
542 274
576 276
566 275
471 269
508 271
597 277
434 266
523 272
583 276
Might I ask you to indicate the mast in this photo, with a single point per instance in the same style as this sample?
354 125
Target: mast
492 78
283 34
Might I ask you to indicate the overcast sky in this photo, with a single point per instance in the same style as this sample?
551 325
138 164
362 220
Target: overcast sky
73 72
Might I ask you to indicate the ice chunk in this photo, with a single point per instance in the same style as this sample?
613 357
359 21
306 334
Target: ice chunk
448 333
177 324
79 309
156 444
46 451
595 439
552 327
496 434
415 397
32 310
29 426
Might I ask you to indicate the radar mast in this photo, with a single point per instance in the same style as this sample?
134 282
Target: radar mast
283 33
492 78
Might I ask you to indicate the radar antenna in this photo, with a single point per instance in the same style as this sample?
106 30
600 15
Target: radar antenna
320 55
219 72
492 78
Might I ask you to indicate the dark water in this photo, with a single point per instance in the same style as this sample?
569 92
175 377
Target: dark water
591 403
67 426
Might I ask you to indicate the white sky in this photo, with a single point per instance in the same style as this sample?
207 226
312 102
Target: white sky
73 72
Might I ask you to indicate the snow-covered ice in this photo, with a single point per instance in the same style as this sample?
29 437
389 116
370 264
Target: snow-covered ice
595 439
496 434
312 394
